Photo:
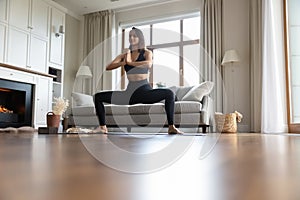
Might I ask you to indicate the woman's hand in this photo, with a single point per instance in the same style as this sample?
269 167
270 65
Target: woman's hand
144 64
117 62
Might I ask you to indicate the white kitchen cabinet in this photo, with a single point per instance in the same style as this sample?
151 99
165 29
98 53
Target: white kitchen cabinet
56 50
28 34
30 15
3 10
57 40
19 13
27 50
37 54
43 98
3 34
18 44
39 19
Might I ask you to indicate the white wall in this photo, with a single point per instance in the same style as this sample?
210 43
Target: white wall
72 62
157 11
237 77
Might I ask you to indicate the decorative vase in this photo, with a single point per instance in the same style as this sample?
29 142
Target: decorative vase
53 120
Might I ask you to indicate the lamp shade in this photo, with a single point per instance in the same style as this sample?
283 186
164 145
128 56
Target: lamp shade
84 72
230 56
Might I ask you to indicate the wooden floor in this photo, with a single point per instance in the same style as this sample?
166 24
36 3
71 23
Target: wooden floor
240 166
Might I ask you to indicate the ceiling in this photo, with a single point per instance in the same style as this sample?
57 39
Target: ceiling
81 7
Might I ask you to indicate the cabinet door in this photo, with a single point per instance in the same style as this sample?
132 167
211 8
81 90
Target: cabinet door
43 99
40 18
38 54
2 41
17 50
19 13
56 42
3 10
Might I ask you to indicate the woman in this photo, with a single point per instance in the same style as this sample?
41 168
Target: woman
136 61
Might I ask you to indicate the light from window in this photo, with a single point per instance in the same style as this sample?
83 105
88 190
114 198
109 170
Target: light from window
166 66
166 32
191 28
191 64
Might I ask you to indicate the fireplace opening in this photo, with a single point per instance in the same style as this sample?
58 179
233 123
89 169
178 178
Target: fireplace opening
15 104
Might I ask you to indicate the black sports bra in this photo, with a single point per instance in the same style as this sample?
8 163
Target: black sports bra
137 70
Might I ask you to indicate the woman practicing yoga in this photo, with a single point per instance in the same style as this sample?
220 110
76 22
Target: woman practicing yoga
136 61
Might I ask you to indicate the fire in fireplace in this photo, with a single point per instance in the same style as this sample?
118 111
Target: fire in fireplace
5 110
15 104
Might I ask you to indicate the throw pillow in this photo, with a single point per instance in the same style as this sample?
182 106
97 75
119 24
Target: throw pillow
181 91
82 99
198 91
174 90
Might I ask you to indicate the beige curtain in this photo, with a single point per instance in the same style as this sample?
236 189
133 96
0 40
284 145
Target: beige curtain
256 63
97 48
211 41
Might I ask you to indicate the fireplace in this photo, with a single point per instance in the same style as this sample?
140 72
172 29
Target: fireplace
15 104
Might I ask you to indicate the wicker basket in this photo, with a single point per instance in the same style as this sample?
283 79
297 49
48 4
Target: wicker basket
227 123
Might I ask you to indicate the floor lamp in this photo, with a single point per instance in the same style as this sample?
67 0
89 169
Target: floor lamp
84 72
230 57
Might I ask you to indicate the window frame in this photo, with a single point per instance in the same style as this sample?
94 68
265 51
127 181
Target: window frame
292 127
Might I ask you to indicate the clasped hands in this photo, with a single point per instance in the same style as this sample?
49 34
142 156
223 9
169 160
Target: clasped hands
127 56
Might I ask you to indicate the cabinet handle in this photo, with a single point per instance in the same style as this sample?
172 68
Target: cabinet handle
11 74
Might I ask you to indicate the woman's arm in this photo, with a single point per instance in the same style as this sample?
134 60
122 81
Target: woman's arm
144 64
117 62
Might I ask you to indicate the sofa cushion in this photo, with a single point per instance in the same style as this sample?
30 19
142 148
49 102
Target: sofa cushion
80 99
112 109
198 91
159 108
84 110
187 106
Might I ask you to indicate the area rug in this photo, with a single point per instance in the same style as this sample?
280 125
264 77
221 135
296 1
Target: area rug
89 131
23 129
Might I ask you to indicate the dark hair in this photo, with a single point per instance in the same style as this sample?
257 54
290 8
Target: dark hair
140 35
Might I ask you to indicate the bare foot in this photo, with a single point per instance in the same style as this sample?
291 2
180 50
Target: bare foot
173 130
100 129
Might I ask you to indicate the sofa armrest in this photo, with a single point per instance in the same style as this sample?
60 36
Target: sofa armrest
206 109
204 102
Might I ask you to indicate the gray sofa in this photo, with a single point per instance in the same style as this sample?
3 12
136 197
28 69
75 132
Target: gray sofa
193 108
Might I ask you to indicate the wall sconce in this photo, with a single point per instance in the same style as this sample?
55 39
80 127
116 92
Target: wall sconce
60 31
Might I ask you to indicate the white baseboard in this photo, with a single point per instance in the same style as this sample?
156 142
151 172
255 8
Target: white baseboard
243 128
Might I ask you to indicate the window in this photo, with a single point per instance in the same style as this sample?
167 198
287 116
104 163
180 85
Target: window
176 49
292 31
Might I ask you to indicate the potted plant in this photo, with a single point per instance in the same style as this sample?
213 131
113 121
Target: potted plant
59 107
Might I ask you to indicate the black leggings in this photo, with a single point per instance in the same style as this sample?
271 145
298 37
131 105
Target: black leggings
136 92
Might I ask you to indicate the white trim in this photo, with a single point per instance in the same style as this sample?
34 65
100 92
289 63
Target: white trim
159 19
56 5
143 5
74 15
